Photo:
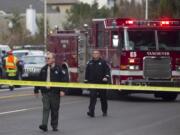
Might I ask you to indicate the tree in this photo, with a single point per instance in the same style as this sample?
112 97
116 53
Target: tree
82 13
153 8
176 6
16 30
17 33
130 9
166 8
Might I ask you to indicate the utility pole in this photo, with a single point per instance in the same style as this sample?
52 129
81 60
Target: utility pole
45 24
146 10
114 8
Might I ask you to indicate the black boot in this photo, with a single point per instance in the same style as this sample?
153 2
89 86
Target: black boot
90 114
43 128
11 88
104 114
55 129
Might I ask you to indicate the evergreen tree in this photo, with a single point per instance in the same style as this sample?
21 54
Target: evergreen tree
82 13
166 8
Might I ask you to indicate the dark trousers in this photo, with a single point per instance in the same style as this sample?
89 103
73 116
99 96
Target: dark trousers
93 98
51 103
11 87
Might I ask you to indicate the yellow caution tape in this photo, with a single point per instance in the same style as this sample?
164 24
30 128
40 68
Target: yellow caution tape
90 86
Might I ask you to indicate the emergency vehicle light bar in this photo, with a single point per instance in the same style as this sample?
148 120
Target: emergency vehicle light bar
120 22
164 22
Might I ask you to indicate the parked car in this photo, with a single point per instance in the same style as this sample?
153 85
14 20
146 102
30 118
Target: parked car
32 66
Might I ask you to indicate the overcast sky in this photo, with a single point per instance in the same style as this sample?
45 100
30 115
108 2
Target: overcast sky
102 2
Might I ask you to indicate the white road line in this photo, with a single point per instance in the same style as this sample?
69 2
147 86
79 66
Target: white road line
34 108
20 110
16 95
23 88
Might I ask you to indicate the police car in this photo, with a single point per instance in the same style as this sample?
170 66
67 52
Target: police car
32 66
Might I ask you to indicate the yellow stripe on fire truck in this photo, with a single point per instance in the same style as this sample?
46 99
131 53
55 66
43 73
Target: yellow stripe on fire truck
90 86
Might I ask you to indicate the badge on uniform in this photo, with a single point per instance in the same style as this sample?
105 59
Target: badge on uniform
56 72
64 72
90 63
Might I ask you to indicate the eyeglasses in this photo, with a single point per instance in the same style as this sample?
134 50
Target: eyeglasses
48 58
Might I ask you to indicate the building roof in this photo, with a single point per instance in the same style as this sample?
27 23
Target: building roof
62 2
20 6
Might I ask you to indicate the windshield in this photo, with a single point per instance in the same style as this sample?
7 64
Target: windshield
142 40
19 55
153 40
169 40
33 60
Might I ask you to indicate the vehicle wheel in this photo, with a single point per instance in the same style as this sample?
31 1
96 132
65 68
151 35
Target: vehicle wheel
73 91
113 94
169 96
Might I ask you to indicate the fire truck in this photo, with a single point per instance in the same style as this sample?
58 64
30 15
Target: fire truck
139 52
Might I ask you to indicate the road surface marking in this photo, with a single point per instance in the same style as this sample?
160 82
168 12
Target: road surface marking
16 95
34 108
23 88
20 110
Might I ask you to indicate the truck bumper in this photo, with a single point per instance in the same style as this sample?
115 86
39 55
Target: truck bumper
169 83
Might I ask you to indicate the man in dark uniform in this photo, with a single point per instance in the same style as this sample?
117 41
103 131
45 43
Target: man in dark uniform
50 95
97 72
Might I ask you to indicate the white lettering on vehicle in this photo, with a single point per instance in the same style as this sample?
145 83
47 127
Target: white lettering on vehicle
158 53
63 41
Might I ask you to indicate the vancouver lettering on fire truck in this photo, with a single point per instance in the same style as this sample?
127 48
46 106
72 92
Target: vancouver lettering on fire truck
139 52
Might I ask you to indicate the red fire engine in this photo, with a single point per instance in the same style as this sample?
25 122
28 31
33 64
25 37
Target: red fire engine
140 52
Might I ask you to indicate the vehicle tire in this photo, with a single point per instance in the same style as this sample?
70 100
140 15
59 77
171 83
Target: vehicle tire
113 94
169 96
73 91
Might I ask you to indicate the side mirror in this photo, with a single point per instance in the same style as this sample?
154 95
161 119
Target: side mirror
115 41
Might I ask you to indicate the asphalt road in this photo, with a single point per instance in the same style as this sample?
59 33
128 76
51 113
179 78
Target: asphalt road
20 114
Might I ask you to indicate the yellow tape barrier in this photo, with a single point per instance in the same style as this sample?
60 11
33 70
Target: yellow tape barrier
90 86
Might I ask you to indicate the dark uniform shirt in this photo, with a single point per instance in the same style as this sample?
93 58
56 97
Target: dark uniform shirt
96 70
56 75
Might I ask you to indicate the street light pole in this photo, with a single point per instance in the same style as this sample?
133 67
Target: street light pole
45 24
114 8
146 10
86 42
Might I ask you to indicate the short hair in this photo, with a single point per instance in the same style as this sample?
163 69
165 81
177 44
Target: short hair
51 53
96 51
